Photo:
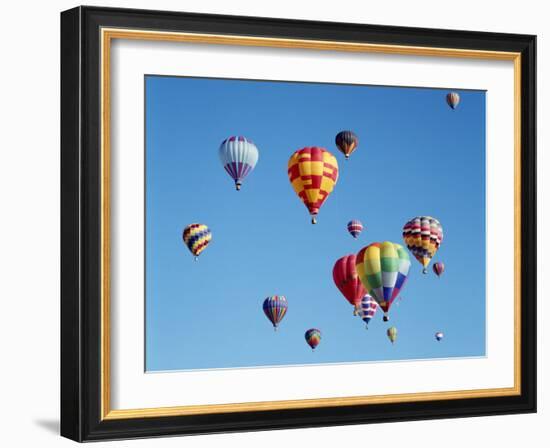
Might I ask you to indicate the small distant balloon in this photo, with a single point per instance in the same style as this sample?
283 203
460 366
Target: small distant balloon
368 309
197 237
275 308
313 337
439 268
453 99
439 335
239 156
392 334
355 227
347 142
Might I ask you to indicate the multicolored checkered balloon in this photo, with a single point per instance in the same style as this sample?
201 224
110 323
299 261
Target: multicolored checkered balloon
383 269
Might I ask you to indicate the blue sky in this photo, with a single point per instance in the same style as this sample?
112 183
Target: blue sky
416 156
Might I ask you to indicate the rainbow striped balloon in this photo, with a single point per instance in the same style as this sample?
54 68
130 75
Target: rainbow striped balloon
383 269
355 227
196 237
313 337
275 308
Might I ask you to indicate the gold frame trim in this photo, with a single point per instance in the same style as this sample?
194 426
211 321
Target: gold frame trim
107 35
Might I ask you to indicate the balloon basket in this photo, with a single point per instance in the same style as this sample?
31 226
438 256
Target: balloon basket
386 318
424 271
313 220
197 258
237 187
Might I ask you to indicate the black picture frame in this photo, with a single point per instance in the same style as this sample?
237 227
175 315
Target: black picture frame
81 224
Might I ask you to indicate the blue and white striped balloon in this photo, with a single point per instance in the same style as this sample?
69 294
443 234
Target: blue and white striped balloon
239 157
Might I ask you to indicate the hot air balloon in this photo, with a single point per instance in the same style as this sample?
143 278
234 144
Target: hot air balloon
383 269
438 268
239 157
355 227
313 337
368 309
453 99
392 334
313 173
196 237
347 281
439 335
423 236
275 308
347 142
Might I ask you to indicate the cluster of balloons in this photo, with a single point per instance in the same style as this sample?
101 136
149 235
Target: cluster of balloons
375 276
371 279
275 308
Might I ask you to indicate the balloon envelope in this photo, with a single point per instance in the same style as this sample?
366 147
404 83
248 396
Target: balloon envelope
275 308
423 236
355 227
346 279
347 142
392 334
239 157
453 99
439 335
313 337
383 269
439 268
197 237
368 308
313 173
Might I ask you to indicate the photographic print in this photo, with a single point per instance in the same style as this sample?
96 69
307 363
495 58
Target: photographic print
294 223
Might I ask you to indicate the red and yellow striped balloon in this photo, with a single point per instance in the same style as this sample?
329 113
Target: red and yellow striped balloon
313 173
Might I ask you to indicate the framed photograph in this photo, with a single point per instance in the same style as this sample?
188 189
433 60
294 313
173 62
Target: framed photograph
277 224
